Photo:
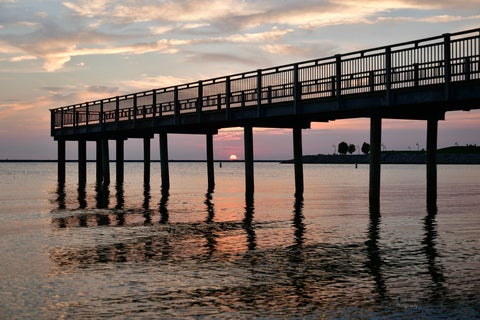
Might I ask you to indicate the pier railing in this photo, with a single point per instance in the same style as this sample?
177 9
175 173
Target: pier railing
436 60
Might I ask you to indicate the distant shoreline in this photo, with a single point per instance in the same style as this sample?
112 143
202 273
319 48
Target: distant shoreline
450 155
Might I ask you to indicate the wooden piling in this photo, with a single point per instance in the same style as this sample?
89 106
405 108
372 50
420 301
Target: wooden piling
120 160
298 154
248 146
82 162
432 135
105 161
375 160
210 164
99 161
61 160
146 160
164 162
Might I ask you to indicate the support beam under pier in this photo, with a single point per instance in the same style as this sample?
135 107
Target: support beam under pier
210 164
432 135
297 154
248 146
164 162
375 161
120 161
61 161
82 162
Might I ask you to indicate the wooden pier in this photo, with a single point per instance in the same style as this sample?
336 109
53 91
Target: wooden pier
419 80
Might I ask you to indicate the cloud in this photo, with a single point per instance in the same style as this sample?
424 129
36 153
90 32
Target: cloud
285 49
148 82
268 36
107 27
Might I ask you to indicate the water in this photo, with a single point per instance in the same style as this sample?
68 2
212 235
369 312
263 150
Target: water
74 253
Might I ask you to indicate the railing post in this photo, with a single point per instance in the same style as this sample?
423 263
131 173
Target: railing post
87 115
269 95
219 101
176 106
228 94
371 81
416 75
466 68
135 110
74 117
100 115
332 85
199 105
117 109
297 91
154 103
259 94
338 77
388 74
447 64
52 120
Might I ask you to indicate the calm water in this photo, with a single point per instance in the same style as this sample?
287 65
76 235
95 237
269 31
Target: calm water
73 252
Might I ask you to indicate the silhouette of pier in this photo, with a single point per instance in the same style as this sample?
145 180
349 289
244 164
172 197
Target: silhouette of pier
419 80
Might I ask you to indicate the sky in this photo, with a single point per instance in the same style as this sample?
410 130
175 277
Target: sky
57 53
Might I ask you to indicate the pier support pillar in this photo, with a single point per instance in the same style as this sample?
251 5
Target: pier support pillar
210 165
432 133
99 161
297 155
375 160
61 160
146 161
164 162
120 160
82 162
248 146
105 161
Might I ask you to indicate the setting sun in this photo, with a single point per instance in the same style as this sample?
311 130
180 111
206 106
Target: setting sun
233 157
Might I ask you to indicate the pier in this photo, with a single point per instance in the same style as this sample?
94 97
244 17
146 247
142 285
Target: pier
418 80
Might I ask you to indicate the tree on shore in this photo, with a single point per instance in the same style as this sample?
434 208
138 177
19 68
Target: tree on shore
342 147
365 148
351 148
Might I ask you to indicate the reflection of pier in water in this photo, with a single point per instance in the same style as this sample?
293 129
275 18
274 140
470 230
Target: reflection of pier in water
309 272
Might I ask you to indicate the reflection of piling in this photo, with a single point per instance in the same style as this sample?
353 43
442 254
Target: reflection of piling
247 221
374 262
431 253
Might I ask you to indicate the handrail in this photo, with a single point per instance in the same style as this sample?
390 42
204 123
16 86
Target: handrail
433 60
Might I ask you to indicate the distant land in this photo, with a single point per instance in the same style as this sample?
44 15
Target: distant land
450 155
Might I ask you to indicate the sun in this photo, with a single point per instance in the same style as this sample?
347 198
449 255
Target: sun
233 157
